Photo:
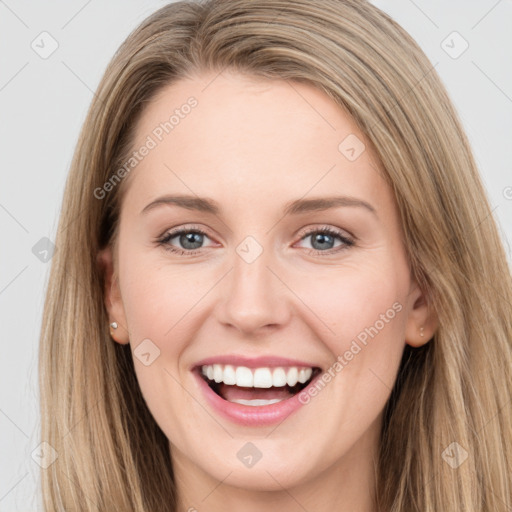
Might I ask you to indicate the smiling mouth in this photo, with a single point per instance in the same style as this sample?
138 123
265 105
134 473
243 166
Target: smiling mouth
262 386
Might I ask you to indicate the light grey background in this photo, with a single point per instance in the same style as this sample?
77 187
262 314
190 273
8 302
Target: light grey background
43 103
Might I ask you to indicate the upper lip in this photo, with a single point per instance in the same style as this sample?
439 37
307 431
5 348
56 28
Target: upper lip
255 362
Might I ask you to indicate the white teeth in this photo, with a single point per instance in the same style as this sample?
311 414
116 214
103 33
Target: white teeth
292 376
279 378
305 374
229 376
262 378
257 377
244 377
217 373
256 402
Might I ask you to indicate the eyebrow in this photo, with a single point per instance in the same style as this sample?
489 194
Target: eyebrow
201 204
295 207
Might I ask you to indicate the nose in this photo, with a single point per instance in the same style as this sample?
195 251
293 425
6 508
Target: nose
255 296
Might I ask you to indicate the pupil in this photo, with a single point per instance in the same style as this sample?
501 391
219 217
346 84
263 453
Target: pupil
191 238
322 239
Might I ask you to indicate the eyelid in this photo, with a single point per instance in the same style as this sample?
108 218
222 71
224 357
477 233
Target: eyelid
326 227
185 227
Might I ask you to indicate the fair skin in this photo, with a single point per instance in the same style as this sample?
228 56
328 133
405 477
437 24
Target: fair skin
253 146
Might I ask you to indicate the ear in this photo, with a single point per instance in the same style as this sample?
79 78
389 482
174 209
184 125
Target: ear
112 296
421 315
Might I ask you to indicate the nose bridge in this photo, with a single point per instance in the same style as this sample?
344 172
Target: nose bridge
255 297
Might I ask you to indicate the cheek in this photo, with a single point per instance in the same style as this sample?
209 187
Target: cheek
156 297
361 320
157 302
351 299
365 315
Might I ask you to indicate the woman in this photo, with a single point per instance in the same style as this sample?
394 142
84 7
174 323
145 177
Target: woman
204 347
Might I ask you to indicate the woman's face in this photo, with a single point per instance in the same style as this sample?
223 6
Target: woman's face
289 258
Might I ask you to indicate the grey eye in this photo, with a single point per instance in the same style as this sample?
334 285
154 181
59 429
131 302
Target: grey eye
322 241
190 240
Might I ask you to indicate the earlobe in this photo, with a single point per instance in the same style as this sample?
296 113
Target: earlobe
112 297
422 320
418 339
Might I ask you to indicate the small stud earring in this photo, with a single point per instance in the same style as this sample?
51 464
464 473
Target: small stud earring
113 326
421 332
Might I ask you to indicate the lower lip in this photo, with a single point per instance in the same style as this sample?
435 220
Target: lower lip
249 415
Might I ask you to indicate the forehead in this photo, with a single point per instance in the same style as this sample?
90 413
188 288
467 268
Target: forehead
216 133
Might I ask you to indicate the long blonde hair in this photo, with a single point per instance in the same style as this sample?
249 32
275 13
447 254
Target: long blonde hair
455 389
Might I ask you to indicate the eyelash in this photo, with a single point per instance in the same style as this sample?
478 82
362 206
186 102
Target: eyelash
164 240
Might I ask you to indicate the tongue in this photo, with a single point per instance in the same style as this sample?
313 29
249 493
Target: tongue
231 393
